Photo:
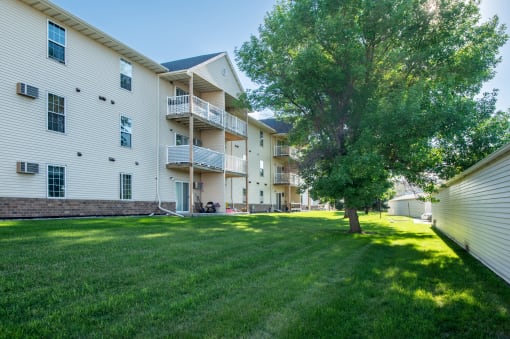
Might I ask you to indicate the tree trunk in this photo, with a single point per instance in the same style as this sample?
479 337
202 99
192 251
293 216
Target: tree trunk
354 226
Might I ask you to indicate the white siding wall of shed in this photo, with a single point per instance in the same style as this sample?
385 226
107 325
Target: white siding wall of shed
92 125
408 207
474 211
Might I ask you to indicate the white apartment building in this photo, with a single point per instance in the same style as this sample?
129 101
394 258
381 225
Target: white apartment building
93 127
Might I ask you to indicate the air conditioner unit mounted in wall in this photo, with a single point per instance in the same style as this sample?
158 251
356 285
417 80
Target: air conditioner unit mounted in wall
27 167
27 90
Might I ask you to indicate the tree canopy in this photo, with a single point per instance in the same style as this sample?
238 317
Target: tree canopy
378 88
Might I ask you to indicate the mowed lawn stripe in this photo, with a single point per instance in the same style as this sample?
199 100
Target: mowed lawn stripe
274 275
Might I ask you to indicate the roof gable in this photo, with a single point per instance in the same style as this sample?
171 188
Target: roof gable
182 64
279 126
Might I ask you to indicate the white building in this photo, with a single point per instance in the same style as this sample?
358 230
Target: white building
93 127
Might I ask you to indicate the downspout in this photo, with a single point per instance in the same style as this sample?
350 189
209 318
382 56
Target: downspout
246 149
158 158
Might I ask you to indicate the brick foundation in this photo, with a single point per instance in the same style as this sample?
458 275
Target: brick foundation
52 208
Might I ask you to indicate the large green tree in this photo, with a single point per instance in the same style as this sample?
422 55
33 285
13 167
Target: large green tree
373 88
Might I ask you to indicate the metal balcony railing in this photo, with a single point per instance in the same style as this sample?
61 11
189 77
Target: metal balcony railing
206 158
178 105
235 125
202 157
235 164
285 151
286 178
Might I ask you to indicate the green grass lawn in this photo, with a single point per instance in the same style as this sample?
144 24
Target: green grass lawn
270 275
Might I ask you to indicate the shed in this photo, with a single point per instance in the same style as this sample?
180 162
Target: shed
409 205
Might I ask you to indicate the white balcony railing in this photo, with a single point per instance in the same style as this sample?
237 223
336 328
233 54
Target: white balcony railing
234 124
203 157
285 178
285 151
179 105
206 158
235 164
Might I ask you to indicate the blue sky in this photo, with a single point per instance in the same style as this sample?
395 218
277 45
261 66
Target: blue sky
166 30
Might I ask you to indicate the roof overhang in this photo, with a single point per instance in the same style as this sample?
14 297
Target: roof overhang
199 83
67 19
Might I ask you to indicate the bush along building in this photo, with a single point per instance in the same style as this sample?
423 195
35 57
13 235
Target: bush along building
93 127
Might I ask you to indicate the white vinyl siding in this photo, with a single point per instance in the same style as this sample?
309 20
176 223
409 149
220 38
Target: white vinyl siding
91 125
475 212
409 207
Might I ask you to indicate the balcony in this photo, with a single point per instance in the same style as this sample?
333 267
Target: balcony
207 116
285 151
235 166
205 160
287 178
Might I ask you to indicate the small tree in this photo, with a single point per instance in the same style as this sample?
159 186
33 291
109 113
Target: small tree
373 88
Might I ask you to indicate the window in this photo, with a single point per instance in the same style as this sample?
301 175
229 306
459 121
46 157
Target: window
261 139
125 131
56 42
261 197
180 91
126 186
56 181
181 140
244 195
261 168
126 74
56 113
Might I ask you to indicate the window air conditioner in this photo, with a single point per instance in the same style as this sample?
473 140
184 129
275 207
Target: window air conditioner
27 90
27 167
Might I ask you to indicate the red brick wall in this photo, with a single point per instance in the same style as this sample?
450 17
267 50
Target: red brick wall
40 208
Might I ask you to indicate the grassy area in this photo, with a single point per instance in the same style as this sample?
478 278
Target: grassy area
273 275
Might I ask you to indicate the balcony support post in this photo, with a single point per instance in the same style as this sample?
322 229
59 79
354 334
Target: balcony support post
191 136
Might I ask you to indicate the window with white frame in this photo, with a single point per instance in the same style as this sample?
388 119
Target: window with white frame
125 131
261 168
261 137
244 195
181 140
56 42
56 181
56 113
261 197
126 74
180 91
126 186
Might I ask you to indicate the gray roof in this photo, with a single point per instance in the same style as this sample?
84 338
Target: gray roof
179 65
278 125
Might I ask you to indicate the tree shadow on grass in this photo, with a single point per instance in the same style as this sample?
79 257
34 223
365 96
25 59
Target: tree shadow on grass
404 291
263 275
